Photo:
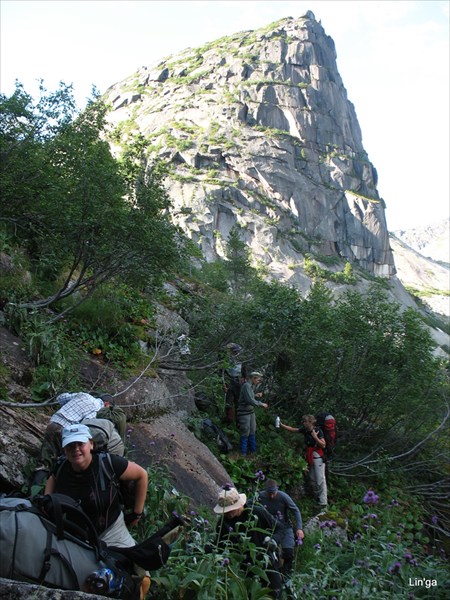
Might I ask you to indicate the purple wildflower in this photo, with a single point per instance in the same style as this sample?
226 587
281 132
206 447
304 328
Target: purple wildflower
259 476
370 497
227 486
338 543
434 520
225 562
354 581
395 568
151 443
317 546
299 541
390 546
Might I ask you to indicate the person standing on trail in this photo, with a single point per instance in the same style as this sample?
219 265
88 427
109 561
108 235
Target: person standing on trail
234 375
315 456
280 505
246 417
240 523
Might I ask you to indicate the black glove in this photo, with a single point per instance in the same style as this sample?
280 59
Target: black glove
131 517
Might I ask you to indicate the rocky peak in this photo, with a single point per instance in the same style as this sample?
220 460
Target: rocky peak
258 132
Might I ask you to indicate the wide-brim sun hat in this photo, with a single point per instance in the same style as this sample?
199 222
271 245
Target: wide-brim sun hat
75 433
229 500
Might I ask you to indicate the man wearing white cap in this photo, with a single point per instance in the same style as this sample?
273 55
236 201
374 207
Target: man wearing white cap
240 521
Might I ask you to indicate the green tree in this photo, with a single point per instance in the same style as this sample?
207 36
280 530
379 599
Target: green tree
237 263
84 216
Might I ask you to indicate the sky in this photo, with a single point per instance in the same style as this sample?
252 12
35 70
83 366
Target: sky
392 55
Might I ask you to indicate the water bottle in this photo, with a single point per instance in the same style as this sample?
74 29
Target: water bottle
103 581
277 422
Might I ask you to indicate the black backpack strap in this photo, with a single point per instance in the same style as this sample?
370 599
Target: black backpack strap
106 471
58 518
47 554
60 462
58 508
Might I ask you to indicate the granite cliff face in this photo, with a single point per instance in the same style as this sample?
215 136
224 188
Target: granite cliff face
258 132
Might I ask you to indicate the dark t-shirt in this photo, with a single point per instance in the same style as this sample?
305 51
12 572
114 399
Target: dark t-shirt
102 507
310 441
254 522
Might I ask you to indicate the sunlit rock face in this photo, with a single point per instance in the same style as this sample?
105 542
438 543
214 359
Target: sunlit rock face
258 131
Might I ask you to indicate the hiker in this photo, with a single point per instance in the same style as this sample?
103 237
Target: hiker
246 413
233 378
315 456
279 505
81 477
74 408
240 522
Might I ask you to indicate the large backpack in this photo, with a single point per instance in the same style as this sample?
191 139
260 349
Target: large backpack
213 431
327 424
105 436
117 416
50 541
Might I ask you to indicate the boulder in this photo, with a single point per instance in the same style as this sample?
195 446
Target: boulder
14 590
193 469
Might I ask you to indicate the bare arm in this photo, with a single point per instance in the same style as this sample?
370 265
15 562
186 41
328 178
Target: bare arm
136 473
289 428
50 485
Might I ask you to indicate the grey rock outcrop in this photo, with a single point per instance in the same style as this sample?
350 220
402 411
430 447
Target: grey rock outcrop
259 132
13 590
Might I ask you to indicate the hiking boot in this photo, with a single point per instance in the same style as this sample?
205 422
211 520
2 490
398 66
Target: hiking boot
171 536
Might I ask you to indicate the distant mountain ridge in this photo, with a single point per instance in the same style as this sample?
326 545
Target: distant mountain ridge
431 241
